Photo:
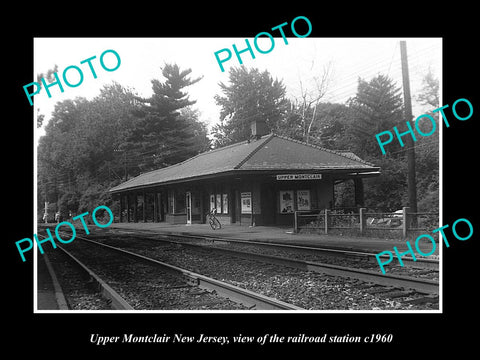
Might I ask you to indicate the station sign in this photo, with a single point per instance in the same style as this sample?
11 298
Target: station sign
299 177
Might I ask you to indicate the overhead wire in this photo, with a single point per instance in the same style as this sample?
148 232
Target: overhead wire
350 81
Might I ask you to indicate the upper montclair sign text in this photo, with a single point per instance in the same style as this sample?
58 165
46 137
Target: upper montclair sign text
299 177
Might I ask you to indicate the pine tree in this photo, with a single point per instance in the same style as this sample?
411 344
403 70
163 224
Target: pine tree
161 136
377 107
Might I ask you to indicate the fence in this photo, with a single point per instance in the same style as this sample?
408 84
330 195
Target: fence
399 223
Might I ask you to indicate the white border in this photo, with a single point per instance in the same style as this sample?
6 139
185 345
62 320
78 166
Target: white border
244 312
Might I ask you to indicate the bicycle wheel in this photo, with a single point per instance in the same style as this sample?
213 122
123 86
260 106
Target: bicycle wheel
212 223
217 224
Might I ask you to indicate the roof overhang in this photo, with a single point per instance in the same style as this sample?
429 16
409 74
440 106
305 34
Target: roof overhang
333 172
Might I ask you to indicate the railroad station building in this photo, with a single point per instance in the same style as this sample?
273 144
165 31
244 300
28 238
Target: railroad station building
260 181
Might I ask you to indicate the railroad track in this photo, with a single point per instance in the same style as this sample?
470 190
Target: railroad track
421 263
423 291
80 287
422 285
186 285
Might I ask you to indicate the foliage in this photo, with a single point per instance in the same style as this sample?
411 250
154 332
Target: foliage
251 95
427 151
330 126
430 93
49 78
85 152
77 150
164 132
377 107
92 145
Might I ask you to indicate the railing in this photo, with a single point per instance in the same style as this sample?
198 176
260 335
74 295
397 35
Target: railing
362 222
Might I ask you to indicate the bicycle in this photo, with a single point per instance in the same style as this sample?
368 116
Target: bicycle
212 220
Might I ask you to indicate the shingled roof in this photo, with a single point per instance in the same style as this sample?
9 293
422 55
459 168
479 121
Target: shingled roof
269 153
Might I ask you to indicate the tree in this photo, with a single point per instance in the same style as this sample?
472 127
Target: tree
50 79
76 155
251 95
329 126
161 135
377 107
427 151
429 94
306 107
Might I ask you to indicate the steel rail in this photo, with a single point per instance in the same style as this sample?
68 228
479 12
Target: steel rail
420 285
421 263
116 301
234 293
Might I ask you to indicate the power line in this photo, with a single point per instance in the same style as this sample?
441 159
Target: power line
348 82
422 144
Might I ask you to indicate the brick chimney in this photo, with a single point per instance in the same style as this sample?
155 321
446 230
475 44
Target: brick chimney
258 128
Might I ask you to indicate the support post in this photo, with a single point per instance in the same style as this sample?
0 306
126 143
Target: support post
127 198
295 222
363 221
121 208
155 207
135 205
144 204
326 221
252 218
405 221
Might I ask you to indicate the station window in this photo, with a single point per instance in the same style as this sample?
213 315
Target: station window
180 206
176 202
219 202
225 203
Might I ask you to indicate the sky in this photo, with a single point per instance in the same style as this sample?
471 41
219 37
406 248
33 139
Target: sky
296 63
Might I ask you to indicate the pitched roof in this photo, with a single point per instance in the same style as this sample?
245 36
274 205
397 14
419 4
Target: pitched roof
271 152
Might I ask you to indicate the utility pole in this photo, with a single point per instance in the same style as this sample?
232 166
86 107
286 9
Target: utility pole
411 178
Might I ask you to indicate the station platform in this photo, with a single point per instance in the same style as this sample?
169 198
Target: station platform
279 235
49 293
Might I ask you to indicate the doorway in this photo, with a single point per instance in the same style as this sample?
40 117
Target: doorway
188 204
235 206
268 204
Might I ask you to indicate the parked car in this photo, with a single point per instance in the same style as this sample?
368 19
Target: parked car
394 219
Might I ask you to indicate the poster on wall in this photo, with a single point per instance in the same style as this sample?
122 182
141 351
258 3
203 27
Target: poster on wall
303 199
246 202
286 201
